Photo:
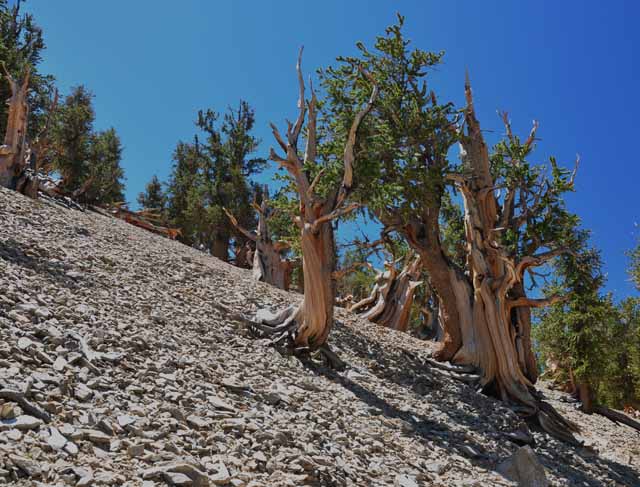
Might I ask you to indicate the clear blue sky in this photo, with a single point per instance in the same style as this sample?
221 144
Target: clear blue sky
572 65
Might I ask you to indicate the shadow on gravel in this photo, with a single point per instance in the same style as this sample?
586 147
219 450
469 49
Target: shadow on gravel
408 371
12 251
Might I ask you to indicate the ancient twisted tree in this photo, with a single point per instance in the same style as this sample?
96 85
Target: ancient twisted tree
308 325
506 237
391 298
268 262
15 152
512 221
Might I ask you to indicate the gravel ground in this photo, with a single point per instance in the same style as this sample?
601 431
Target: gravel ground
131 370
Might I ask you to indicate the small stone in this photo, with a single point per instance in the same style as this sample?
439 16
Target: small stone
14 435
7 411
436 467
197 422
42 312
260 457
135 451
24 343
82 392
22 423
405 480
71 448
524 468
28 466
59 364
218 403
177 478
223 476
125 420
469 451
106 478
86 480
97 437
56 440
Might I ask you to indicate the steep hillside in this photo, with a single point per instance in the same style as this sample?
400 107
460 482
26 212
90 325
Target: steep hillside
124 346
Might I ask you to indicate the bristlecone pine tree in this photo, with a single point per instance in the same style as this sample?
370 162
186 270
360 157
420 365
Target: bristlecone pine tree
269 265
513 215
215 174
307 327
391 298
590 344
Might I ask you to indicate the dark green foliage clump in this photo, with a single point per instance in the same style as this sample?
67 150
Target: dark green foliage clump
213 174
153 197
88 161
589 338
21 48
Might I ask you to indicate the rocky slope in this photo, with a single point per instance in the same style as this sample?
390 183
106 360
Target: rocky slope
131 370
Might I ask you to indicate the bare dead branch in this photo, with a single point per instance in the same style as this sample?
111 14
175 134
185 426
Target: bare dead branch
507 124
277 136
537 260
279 159
536 303
349 156
339 274
294 131
314 183
311 149
238 227
532 135
334 214
575 170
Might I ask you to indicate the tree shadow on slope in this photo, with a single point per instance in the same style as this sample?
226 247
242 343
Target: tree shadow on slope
411 373
13 252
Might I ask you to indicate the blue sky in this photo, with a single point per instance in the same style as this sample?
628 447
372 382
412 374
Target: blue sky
153 63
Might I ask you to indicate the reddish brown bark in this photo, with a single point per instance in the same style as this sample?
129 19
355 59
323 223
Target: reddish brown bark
268 263
310 324
15 152
391 300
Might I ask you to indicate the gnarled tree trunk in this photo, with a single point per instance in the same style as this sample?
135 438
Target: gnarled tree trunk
220 247
392 296
14 153
308 326
497 338
268 264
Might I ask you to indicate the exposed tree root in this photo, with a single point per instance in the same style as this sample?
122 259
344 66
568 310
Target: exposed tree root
535 409
617 417
282 328
330 357
556 425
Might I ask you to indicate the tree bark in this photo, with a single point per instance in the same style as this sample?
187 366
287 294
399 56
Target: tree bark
315 315
393 296
268 264
220 248
424 237
308 326
14 153
497 338
243 254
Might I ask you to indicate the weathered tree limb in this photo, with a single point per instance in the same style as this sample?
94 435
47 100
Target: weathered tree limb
15 153
268 263
617 417
392 296
308 327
